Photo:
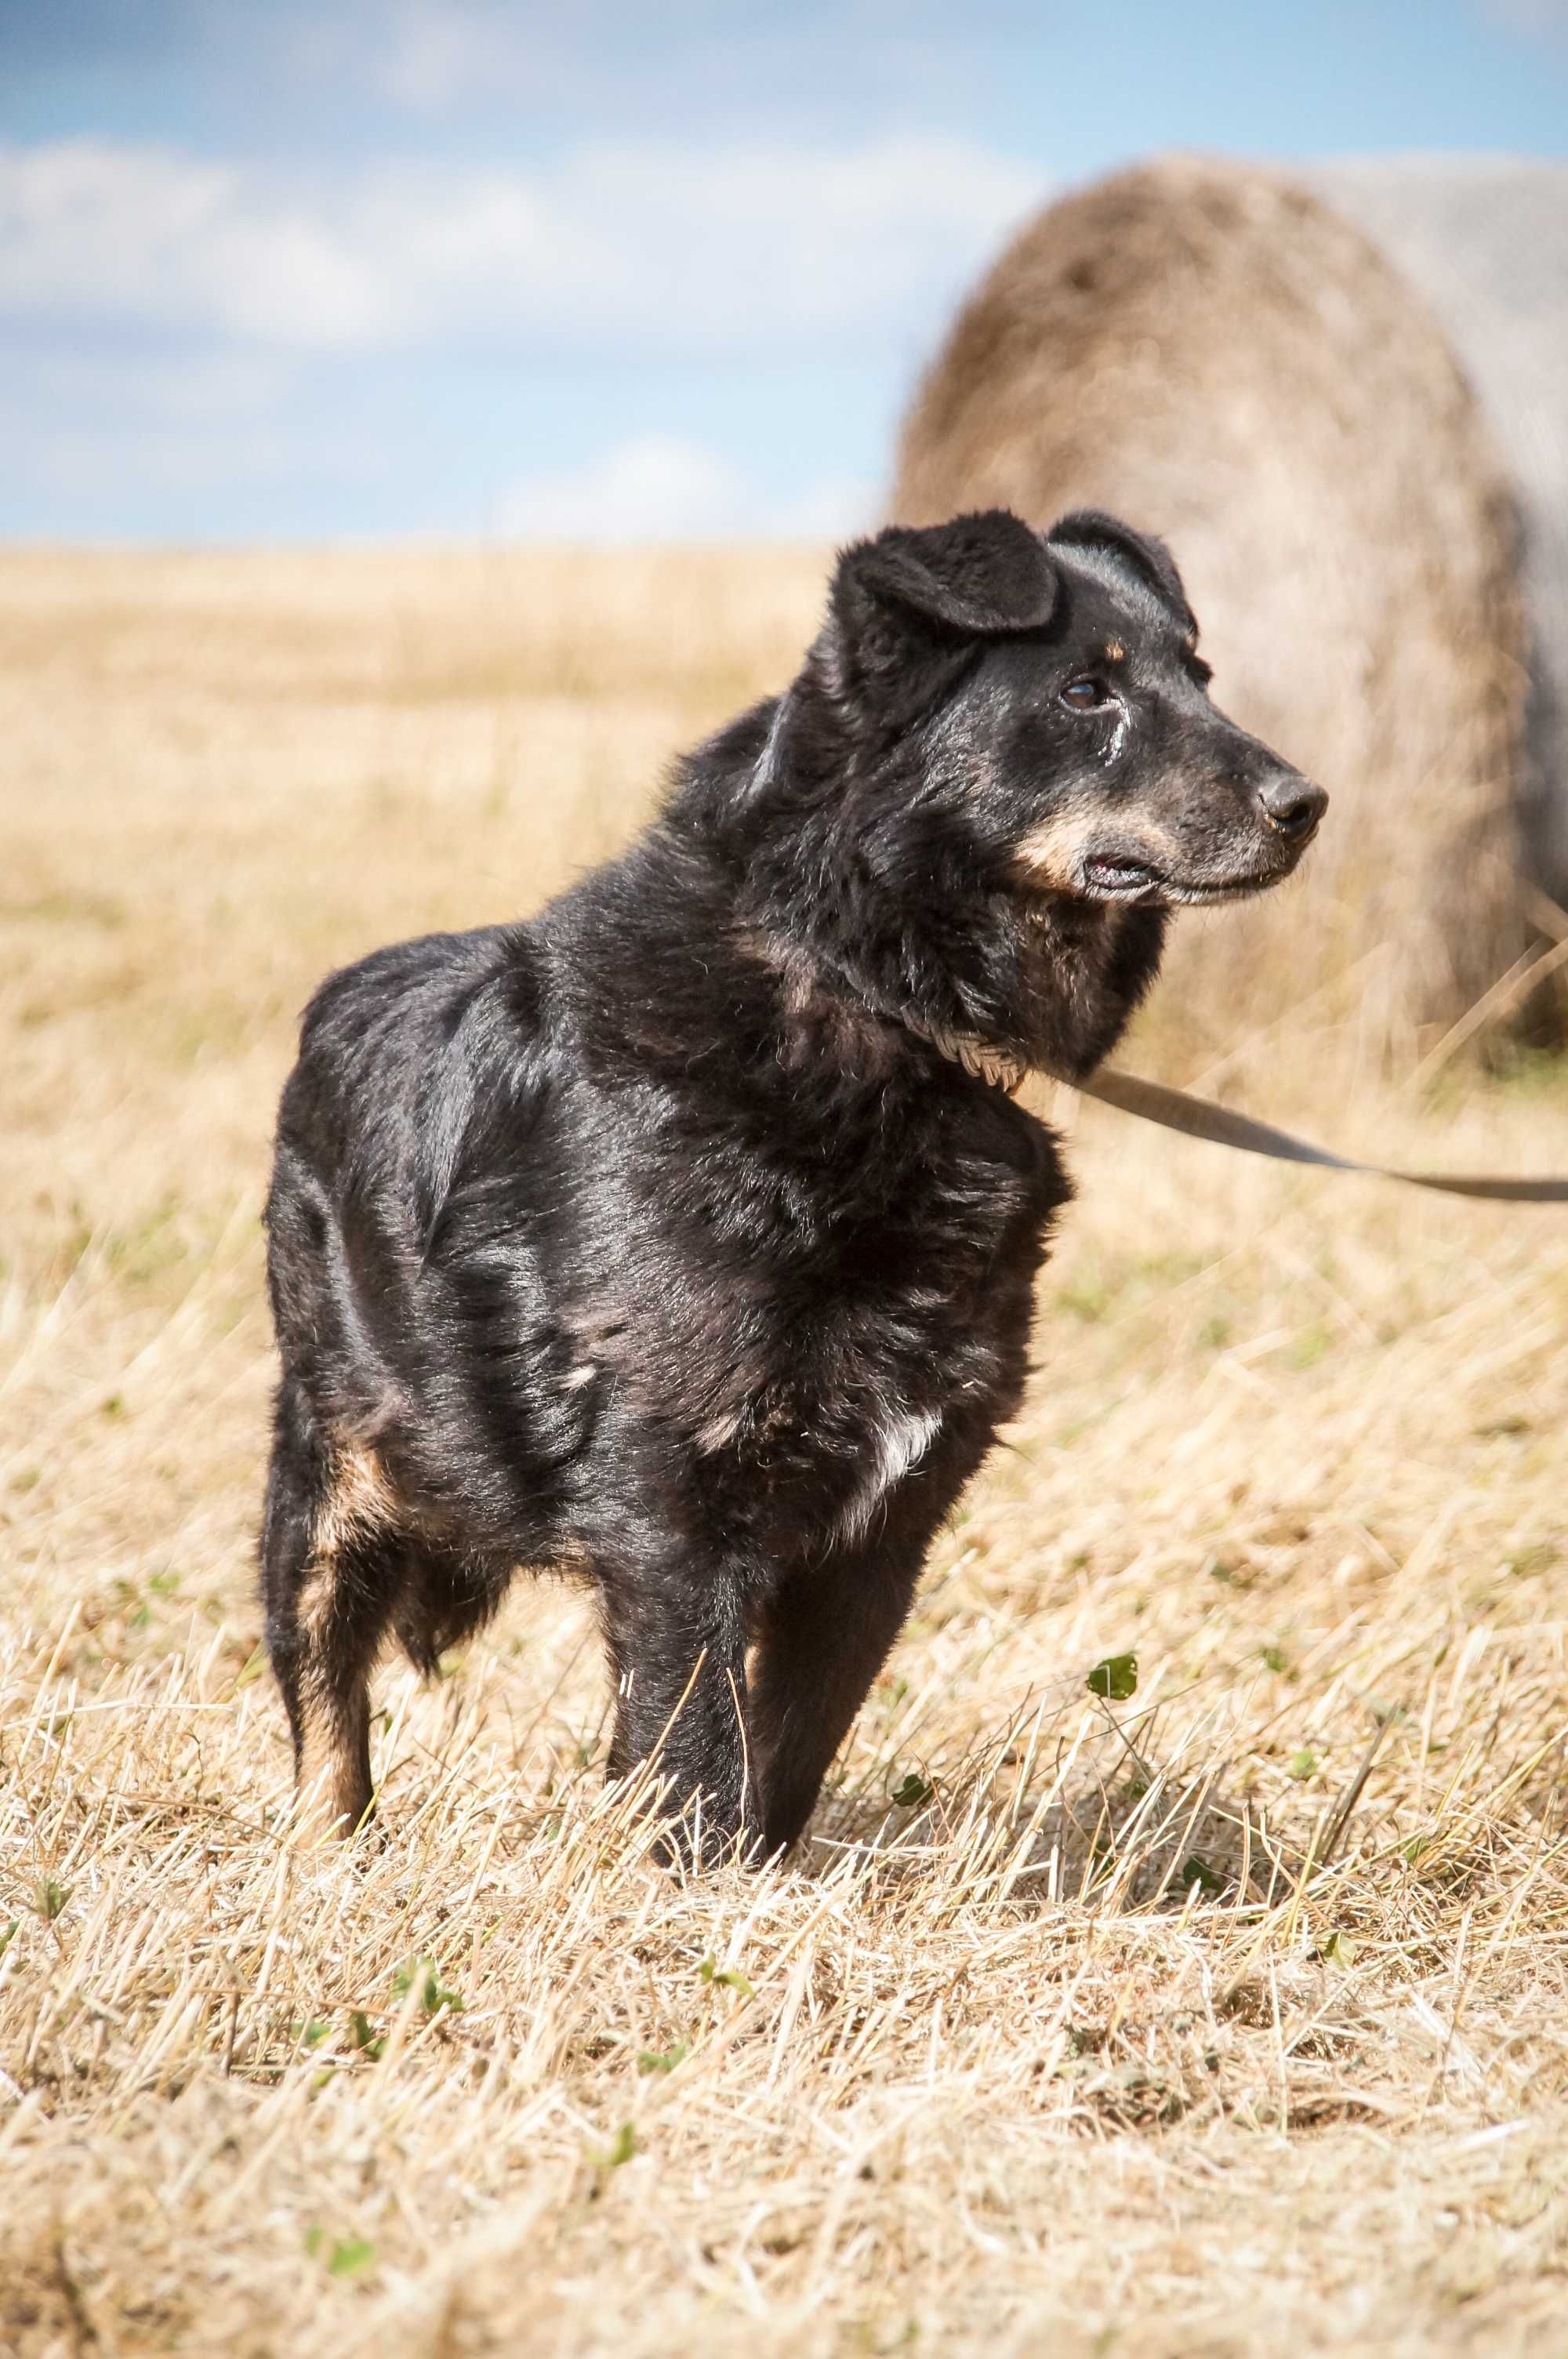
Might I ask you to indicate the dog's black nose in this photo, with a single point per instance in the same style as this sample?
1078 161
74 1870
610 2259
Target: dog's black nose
1292 803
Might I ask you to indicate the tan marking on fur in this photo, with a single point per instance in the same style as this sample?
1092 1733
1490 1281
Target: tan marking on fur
361 1500
317 1600
330 1797
1053 852
329 1786
797 973
1114 652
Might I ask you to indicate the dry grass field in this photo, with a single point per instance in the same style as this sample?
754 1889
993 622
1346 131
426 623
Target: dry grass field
1227 2017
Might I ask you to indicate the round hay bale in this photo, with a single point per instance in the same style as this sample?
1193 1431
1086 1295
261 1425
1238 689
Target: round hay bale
1225 359
1485 240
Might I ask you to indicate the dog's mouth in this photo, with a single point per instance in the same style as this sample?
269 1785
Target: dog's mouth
1139 882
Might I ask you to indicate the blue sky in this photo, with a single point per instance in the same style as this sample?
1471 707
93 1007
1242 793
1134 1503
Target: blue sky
278 270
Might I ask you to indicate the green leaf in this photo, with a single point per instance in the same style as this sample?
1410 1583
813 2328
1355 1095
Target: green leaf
368 2042
9 1935
1273 1658
731 1976
1304 1764
51 1899
914 1793
621 2148
422 1973
345 2257
1339 1950
1114 1679
663 2059
1310 1344
1198 1870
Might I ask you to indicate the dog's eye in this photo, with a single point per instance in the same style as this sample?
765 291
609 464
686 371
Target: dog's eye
1085 694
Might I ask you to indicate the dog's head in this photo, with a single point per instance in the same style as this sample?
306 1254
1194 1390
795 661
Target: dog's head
1050 694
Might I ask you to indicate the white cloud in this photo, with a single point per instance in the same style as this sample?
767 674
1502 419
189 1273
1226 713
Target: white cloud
622 244
658 487
103 233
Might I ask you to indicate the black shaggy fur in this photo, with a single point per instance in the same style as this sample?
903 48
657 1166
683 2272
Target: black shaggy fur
681 1237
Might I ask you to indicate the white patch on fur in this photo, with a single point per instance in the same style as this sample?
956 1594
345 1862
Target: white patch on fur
900 1445
575 1378
1120 732
767 760
720 1431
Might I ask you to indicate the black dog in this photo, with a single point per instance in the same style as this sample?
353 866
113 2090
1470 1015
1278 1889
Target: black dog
683 1238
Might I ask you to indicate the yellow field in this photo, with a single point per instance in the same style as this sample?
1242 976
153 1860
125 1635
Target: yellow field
1231 2018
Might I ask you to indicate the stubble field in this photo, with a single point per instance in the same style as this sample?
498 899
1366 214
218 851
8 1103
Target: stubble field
1228 2017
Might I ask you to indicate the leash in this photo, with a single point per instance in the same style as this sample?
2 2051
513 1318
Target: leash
1193 1117
1201 1118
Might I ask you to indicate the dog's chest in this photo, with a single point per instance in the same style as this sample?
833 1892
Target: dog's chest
862 1385
813 1365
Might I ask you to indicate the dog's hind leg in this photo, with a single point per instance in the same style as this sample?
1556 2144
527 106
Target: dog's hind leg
333 1570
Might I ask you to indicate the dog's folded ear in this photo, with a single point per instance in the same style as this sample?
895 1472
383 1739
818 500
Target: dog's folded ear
1138 553
981 575
907 605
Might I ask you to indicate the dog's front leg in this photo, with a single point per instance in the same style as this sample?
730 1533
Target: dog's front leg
676 1644
825 1635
